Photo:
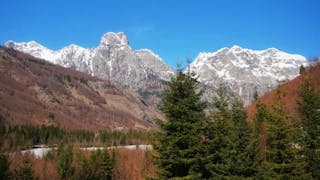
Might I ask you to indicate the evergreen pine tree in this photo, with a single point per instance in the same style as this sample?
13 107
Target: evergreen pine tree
180 141
4 167
309 108
284 158
99 165
26 172
245 163
220 136
64 161
258 139
302 69
104 165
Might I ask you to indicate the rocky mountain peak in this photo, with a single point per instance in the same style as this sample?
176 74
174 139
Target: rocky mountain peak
30 44
236 48
112 38
9 44
243 71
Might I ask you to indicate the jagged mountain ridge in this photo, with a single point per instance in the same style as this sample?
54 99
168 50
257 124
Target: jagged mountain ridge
140 70
244 71
34 91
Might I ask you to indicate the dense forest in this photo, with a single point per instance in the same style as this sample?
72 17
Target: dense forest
222 144
26 136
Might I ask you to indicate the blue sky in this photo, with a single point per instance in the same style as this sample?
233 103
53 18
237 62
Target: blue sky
174 29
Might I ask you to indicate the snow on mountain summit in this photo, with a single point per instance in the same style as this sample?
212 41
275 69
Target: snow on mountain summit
243 71
112 38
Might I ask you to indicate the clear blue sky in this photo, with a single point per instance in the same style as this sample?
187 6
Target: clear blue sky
174 29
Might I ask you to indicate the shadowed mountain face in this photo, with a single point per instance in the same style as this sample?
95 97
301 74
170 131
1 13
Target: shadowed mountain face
33 91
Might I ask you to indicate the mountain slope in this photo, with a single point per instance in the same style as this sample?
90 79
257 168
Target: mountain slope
113 59
33 91
291 91
241 71
244 71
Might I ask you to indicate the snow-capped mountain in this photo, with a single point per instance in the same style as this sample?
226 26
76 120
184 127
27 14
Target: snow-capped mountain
244 71
114 59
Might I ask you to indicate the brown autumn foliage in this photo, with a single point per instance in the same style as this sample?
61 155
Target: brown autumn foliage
134 165
291 92
129 165
43 168
33 91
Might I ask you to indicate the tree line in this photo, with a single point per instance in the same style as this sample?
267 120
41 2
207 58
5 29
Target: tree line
26 136
221 144
70 163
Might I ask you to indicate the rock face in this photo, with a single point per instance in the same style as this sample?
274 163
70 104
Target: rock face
140 70
243 71
33 91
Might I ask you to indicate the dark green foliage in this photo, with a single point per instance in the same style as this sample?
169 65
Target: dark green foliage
23 137
4 167
98 166
114 138
257 146
64 78
2 132
84 81
302 69
228 149
275 147
51 116
245 163
26 136
284 156
180 143
258 140
309 108
220 135
26 172
255 95
64 161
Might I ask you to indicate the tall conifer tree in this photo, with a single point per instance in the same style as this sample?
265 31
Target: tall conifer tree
309 108
245 163
180 143
219 138
228 140
284 158
258 139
